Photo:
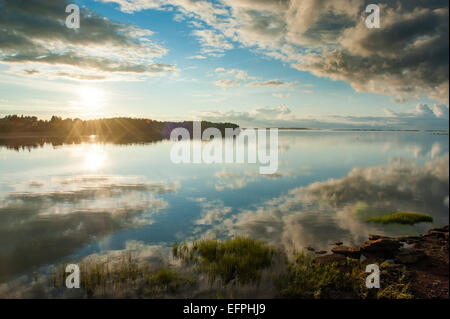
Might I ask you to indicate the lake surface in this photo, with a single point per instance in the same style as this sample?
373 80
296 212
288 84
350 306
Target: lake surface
67 202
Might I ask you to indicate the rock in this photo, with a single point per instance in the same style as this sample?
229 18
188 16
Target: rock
435 233
321 252
310 248
407 245
381 244
439 229
337 243
381 247
329 259
352 252
410 239
418 245
409 256
375 237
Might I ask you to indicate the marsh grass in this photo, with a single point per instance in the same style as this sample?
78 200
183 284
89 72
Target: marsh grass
239 260
408 218
307 279
126 277
394 282
231 264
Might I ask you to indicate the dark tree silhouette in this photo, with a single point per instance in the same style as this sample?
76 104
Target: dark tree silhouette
16 131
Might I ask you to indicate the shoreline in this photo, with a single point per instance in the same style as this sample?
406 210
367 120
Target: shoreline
425 258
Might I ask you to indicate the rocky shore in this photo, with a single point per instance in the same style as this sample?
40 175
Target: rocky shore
425 258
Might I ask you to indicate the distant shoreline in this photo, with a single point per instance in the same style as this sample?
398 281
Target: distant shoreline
357 130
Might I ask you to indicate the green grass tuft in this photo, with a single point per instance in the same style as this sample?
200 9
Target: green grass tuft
307 279
408 218
239 260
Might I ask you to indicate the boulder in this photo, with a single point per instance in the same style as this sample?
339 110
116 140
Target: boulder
439 229
337 243
381 247
375 237
352 252
409 256
435 233
410 239
321 252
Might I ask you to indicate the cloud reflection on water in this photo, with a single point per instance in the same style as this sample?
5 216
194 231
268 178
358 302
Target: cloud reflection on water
40 226
322 212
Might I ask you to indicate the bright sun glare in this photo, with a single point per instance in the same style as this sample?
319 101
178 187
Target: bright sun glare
91 98
94 158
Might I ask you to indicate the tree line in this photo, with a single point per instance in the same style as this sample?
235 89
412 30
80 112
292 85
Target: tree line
118 129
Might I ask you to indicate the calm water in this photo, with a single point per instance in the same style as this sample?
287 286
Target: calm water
67 202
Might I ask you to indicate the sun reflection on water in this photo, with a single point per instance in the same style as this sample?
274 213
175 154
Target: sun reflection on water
95 158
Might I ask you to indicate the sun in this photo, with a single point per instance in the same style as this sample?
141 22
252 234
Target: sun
91 98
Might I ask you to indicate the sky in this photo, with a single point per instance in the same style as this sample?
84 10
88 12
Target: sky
264 63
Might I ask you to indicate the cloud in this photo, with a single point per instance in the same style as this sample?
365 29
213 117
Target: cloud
35 41
197 57
411 41
422 117
406 58
226 83
130 6
263 116
233 77
211 41
274 82
441 111
281 95
237 76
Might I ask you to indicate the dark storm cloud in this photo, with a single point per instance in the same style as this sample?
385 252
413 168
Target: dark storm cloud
34 32
407 56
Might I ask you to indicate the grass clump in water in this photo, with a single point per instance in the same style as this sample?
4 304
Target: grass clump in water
126 277
408 218
238 260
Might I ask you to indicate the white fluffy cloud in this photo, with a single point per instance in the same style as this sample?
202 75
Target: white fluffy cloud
406 58
212 42
423 117
226 83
